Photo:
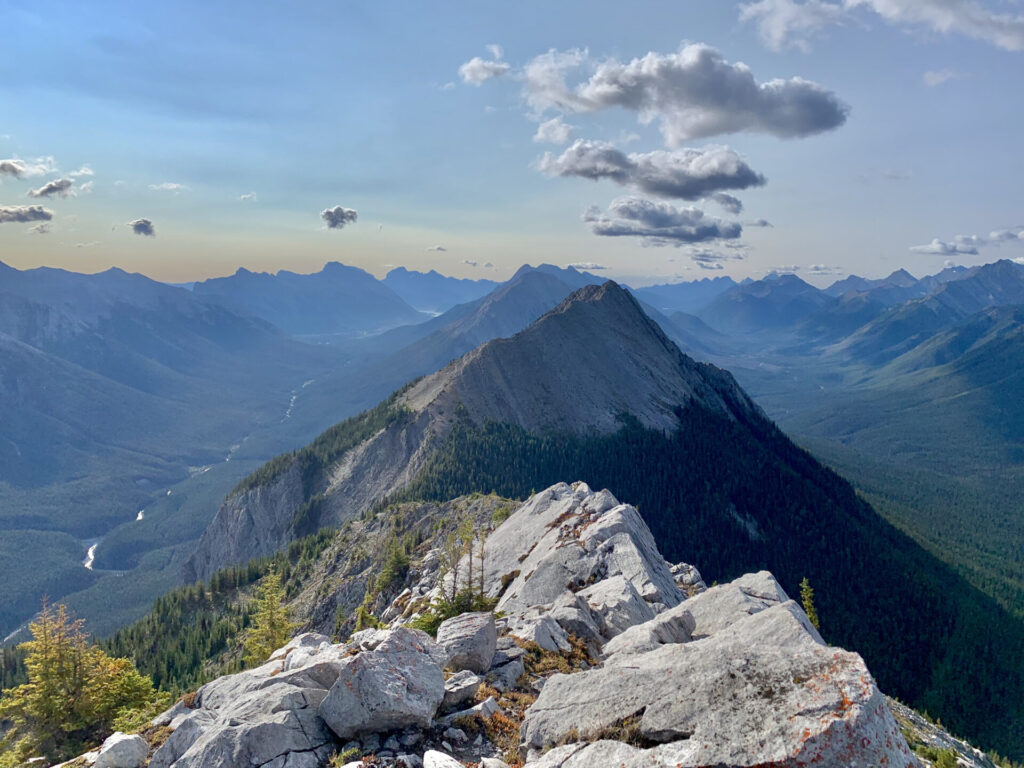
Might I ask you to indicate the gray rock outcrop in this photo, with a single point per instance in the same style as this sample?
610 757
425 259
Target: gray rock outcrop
398 684
469 641
122 751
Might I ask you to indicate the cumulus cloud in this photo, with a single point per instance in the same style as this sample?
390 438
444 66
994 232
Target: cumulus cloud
553 131
587 266
337 217
85 170
685 174
169 186
824 269
248 197
478 70
692 94
55 188
945 248
758 223
730 203
469 262
436 248
969 244
709 259
142 227
87 187
21 169
24 213
39 229
787 22
658 223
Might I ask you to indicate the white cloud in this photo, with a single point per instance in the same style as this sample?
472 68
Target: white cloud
936 78
436 248
824 269
477 70
39 229
553 131
87 187
248 197
787 22
469 262
783 23
969 244
587 266
658 223
337 217
85 170
685 174
23 169
728 202
169 186
694 93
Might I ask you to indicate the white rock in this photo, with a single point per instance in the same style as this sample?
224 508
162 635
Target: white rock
763 692
122 751
469 640
434 759
459 688
537 626
616 605
398 684
675 625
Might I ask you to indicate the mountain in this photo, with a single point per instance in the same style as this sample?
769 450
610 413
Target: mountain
338 300
689 297
595 390
433 292
777 302
904 326
113 388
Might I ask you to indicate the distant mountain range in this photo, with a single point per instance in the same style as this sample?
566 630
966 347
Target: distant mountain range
433 292
337 300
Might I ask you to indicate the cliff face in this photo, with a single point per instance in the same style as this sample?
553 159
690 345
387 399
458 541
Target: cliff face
577 370
602 653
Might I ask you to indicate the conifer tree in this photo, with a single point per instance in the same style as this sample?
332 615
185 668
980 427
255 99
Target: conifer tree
73 694
271 627
807 598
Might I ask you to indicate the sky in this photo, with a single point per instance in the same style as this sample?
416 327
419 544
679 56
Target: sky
650 141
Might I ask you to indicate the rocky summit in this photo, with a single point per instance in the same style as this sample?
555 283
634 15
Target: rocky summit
598 653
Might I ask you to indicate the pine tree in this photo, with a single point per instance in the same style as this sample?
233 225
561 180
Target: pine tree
271 627
74 692
807 598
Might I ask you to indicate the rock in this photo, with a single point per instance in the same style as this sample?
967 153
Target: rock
721 606
398 684
616 605
166 717
492 762
675 625
688 579
507 668
469 640
485 709
795 703
600 753
573 614
391 744
370 743
459 688
536 626
455 734
122 751
567 538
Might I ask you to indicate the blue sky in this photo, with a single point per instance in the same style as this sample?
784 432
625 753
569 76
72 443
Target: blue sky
230 127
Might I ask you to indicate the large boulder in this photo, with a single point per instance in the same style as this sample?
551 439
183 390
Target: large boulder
469 641
122 751
398 684
764 691
460 688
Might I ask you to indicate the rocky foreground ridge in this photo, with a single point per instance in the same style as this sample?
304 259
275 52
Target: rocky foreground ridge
598 653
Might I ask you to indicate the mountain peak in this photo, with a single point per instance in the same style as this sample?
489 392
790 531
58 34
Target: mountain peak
594 358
